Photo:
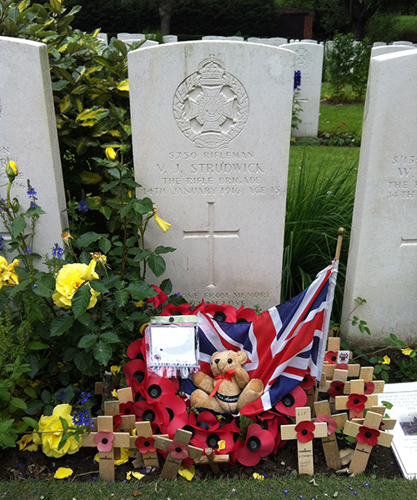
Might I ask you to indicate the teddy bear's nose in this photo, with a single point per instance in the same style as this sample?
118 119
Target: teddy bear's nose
217 361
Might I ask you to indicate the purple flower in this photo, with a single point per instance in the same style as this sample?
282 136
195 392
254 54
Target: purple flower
82 206
32 195
57 251
297 79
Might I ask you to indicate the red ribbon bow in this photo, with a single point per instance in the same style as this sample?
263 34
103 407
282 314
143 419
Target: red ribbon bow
227 376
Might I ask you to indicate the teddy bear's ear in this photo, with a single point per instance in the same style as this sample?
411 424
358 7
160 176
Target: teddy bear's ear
214 355
241 356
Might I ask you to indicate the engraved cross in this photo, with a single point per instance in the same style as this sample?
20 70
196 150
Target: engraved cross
406 242
211 235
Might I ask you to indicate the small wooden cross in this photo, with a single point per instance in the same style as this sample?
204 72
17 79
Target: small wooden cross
213 460
333 345
367 435
330 446
387 424
150 458
371 387
305 448
356 398
173 462
109 440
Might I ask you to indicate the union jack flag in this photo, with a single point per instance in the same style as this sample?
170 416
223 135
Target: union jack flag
282 344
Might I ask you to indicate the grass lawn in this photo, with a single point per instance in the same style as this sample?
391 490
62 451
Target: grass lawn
224 488
333 115
320 158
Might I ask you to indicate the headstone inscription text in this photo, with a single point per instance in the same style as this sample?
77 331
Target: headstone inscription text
210 149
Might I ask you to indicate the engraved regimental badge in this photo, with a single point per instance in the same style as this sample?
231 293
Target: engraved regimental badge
302 58
211 106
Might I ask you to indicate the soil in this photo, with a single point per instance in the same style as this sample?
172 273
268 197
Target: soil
15 464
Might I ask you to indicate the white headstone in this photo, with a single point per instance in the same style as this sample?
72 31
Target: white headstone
277 41
103 38
309 60
170 38
211 150
378 44
235 38
214 37
28 135
308 40
402 42
382 265
131 37
254 39
389 49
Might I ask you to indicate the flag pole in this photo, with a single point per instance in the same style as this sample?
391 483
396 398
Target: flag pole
340 232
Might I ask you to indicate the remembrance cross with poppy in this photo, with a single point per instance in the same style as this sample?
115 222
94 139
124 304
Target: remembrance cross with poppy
357 401
367 436
304 431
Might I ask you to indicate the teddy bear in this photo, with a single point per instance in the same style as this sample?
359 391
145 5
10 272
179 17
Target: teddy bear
230 389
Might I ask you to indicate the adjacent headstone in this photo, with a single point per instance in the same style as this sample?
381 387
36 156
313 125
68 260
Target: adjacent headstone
28 135
403 42
214 37
130 37
170 38
383 247
103 37
389 49
378 44
211 145
309 60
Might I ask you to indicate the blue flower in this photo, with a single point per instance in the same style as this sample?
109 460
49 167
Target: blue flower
82 206
57 251
84 397
83 417
1 241
297 79
32 195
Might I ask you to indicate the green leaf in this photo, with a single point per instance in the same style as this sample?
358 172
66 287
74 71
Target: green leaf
160 249
29 391
120 46
87 341
17 403
141 290
141 254
18 226
81 300
110 337
61 324
86 239
34 407
84 319
102 352
37 346
91 116
64 423
99 286
30 212
59 85
105 245
166 286
42 289
82 361
122 297
143 206
156 264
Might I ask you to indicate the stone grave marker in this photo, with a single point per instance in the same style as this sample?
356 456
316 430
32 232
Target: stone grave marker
170 38
309 60
211 146
383 247
388 49
28 136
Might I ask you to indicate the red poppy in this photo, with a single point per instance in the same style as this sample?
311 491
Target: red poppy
198 308
178 450
356 402
308 382
172 310
331 357
178 422
342 366
245 315
136 350
305 431
294 399
331 424
104 441
225 312
136 370
157 388
159 299
126 408
145 444
336 388
259 443
367 435
154 413
369 387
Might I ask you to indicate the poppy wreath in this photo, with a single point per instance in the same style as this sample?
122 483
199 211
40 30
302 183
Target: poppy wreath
366 435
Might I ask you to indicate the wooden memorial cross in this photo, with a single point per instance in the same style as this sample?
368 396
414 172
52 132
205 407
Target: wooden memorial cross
367 436
213 460
330 446
357 401
105 440
336 387
145 439
304 430
178 449
371 387
333 347
387 424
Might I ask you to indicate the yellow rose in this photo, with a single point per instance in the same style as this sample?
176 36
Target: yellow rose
69 279
11 170
51 433
161 223
8 275
111 154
